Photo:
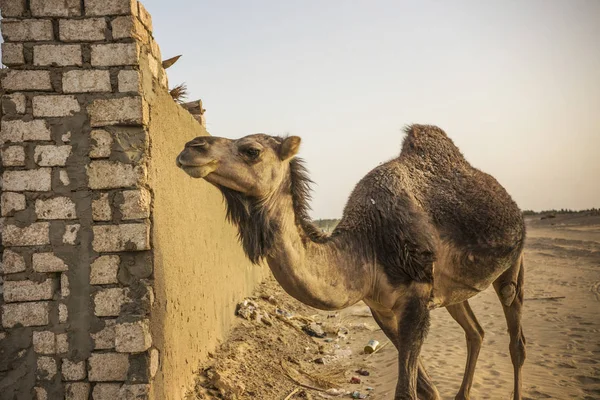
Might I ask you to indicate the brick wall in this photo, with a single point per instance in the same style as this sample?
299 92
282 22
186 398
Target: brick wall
76 206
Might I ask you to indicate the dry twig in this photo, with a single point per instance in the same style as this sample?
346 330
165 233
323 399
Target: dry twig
179 93
289 396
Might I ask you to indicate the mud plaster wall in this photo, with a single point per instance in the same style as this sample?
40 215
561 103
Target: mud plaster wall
200 271
118 271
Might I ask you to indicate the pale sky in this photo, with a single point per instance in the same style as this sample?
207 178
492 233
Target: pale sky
516 84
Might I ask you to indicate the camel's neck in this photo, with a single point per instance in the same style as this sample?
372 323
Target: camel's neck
324 274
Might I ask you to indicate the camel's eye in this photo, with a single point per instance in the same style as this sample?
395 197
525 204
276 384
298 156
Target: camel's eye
251 152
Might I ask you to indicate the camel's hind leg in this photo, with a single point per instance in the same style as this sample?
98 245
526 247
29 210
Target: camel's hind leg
509 287
463 314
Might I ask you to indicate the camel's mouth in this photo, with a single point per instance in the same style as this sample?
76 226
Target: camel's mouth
195 170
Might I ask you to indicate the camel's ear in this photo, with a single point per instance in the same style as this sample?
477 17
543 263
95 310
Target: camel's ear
289 147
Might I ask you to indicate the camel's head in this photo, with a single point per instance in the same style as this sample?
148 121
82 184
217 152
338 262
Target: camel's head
254 165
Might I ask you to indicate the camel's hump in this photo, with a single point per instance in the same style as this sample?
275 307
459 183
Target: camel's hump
431 143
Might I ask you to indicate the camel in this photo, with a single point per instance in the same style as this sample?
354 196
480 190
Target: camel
421 231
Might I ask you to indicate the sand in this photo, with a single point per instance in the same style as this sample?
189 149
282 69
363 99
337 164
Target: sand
563 335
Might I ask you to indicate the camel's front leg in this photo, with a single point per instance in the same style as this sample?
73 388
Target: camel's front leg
413 321
388 323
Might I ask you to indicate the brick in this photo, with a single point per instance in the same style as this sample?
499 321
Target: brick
124 237
62 343
57 54
101 143
133 337
114 54
121 111
108 302
28 291
154 66
110 7
48 262
12 54
112 174
12 8
46 368
27 80
55 208
40 393
104 270
164 82
105 338
144 16
108 367
12 262
82 30
11 202
138 391
55 8
19 131
136 204
63 313
73 370
14 103
27 30
101 208
85 81
55 106
64 285
51 156
129 80
77 391
35 234
155 49
154 362
26 314
13 156
70 235
106 391
34 180
44 342
129 27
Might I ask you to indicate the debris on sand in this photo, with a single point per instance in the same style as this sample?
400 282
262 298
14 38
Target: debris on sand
278 346
227 386
371 346
314 330
250 311
305 379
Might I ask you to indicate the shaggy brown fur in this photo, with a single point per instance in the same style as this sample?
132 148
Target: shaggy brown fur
439 189
256 230
468 206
